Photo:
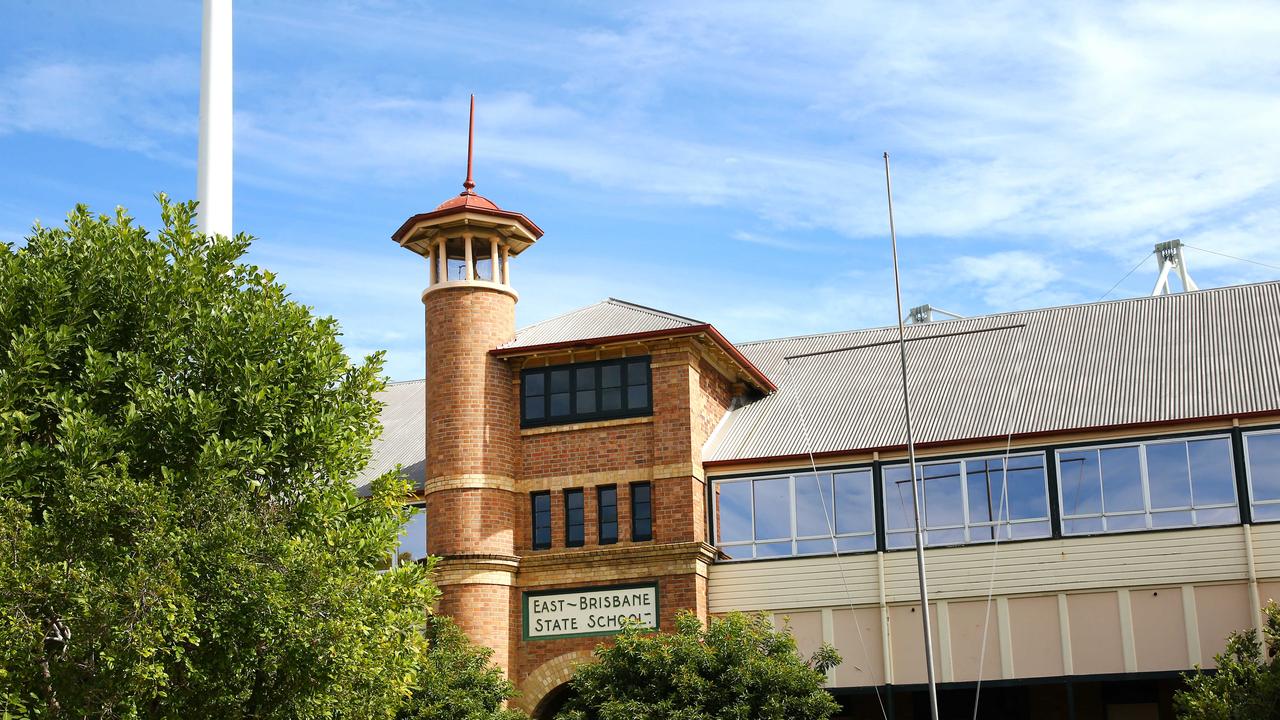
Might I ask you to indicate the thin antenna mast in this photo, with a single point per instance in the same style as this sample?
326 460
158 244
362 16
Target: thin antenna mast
911 455
213 160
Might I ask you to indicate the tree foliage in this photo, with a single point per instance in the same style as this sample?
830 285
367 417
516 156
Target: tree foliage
1246 685
736 668
457 681
180 533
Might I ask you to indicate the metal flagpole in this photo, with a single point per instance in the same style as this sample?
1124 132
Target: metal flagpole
213 165
911 455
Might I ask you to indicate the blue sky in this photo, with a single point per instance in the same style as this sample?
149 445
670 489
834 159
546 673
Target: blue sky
719 160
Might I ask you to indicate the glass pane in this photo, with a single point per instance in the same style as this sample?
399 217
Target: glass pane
1027 530
1171 518
642 529
983 478
1121 480
943 498
1126 522
611 376
559 381
535 383
573 499
815 547
733 511
1264 466
559 404
855 504
900 539
772 503
637 396
944 537
542 537
774 549
898 512
1081 527
1218 516
586 401
861 543
584 378
737 552
1212 479
1266 512
1028 493
413 536
1081 486
611 399
638 372
640 504
1167 477
533 407
814 506
574 535
542 503
608 532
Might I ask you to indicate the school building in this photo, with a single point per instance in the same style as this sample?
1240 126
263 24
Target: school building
1100 483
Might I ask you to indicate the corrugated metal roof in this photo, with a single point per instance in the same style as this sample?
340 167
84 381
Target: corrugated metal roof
1174 357
604 319
404 435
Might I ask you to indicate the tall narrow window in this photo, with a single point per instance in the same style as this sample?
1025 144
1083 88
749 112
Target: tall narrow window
574 518
541 502
608 514
641 512
1262 458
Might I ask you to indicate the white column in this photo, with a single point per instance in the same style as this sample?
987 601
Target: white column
431 266
506 266
470 259
494 269
443 255
213 164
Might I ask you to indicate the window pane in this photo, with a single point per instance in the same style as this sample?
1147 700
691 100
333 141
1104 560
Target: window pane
586 401
608 504
774 549
641 529
608 532
826 546
533 407
1121 479
772 503
1126 522
559 404
534 383
1081 486
584 378
1266 512
733 511
1264 469
559 381
637 396
1019 531
855 504
1167 476
638 372
542 503
1212 477
642 512
898 512
900 539
1028 493
611 376
984 478
943 503
573 499
1171 518
944 537
413 536
1083 526
640 494
573 536
814 506
542 537
611 399
737 552
1218 516
861 543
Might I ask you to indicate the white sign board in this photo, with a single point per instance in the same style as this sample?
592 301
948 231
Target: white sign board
589 611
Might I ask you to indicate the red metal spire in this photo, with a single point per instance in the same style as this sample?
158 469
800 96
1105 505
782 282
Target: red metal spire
469 184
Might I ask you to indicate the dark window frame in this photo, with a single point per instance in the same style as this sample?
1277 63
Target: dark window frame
626 381
601 523
569 540
533 505
637 536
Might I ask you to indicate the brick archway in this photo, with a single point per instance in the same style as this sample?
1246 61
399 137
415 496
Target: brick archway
547 677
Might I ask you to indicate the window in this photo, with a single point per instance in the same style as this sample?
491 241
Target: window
585 391
413 539
607 498
641 512
1173 483
968 501
574 519
1262 459
787 515
541 502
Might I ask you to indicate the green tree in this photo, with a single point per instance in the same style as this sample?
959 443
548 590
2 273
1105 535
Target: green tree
1246 685
457 681
736 668
180 534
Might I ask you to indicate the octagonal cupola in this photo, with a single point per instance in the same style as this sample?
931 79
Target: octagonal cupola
468 240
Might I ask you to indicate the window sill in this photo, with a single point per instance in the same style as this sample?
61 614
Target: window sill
573 427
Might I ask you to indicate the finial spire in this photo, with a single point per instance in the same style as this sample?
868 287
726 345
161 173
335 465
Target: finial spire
470 185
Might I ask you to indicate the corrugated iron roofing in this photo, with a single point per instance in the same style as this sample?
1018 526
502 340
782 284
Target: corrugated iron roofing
1174 357
404 435
606 318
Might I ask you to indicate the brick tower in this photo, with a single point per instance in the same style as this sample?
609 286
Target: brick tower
473 425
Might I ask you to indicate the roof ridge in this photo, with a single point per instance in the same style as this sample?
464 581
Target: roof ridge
561 315
654 311
1028 311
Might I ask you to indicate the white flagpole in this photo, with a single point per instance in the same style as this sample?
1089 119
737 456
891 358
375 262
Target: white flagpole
213 172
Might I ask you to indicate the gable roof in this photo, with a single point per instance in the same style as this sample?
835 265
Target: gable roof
606 318
404 435
1210 353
